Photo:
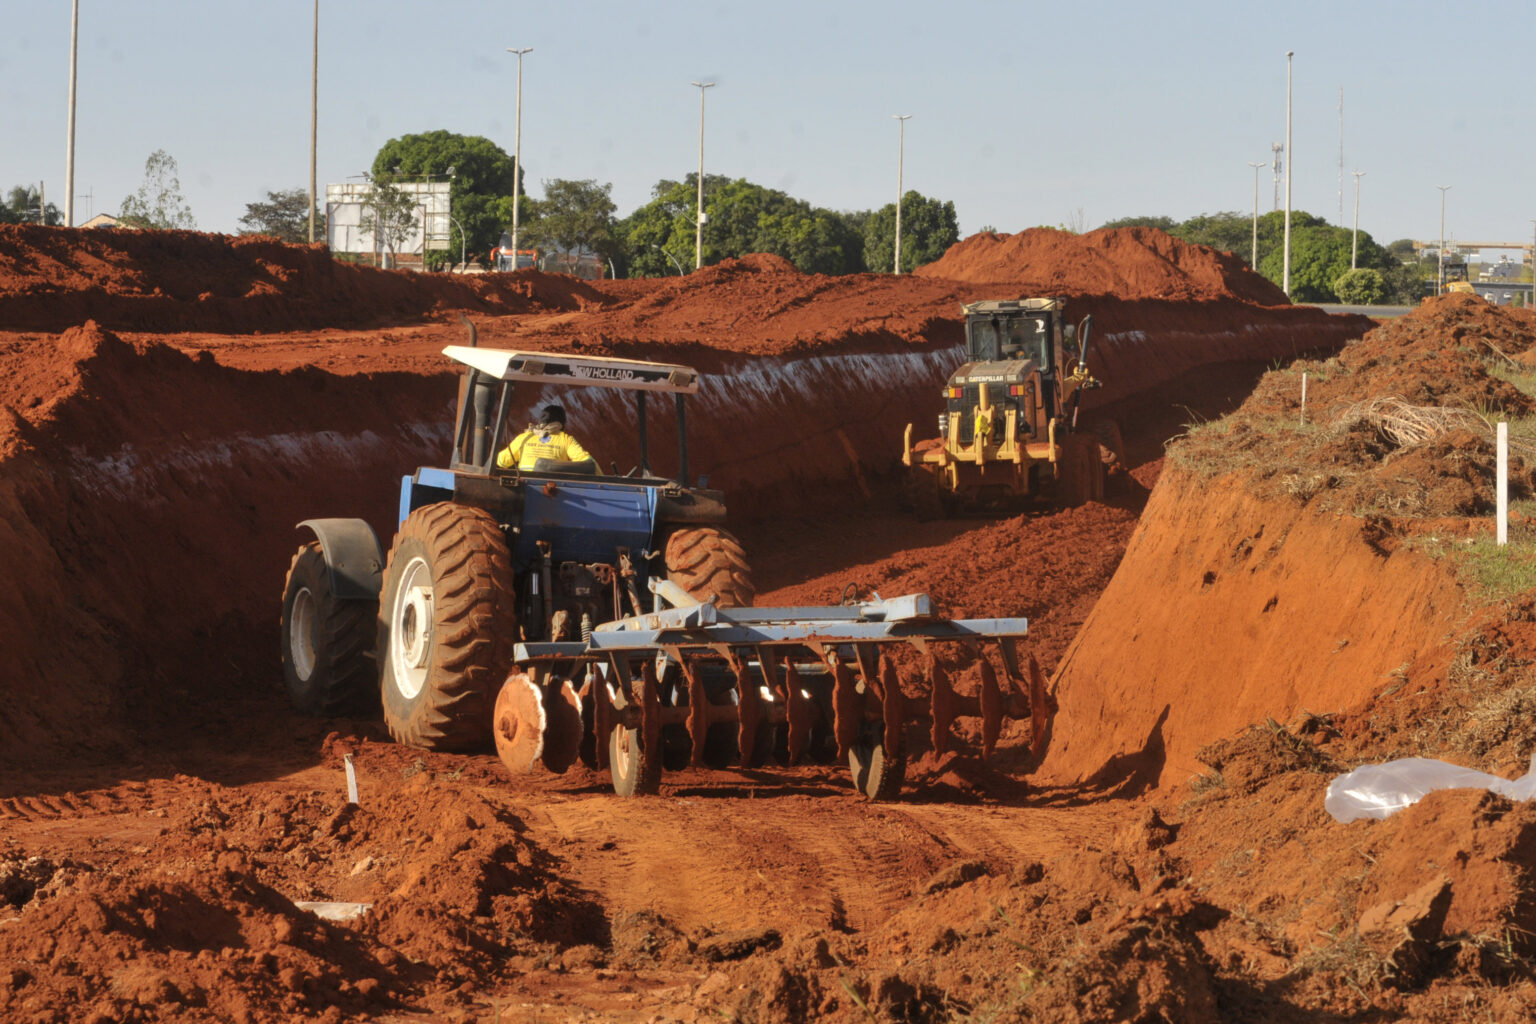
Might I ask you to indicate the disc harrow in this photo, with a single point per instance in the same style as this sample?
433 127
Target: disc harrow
694 684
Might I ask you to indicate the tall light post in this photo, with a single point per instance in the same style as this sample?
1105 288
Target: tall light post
517 151
698 213
1289 163
314 117
901 149
1440 273
1253 261
1354 238
69 143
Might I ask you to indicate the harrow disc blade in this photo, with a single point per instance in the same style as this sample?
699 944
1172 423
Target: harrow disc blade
562 727
520 723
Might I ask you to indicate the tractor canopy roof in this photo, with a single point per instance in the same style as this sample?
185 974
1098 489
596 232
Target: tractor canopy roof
583 371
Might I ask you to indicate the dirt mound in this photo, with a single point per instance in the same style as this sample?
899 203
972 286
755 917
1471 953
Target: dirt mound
52 278
1131 263
1244 536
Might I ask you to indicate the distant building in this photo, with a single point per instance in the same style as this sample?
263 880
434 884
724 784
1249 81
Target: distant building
103 220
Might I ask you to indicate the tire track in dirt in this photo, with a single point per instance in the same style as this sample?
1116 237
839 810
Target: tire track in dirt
777 862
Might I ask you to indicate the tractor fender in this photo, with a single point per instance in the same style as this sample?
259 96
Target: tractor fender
352 557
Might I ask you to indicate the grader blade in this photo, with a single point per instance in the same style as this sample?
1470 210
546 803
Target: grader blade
656 678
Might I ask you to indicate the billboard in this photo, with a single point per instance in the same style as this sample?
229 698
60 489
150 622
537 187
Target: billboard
346 230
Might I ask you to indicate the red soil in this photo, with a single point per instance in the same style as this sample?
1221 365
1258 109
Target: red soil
1124 262
161 807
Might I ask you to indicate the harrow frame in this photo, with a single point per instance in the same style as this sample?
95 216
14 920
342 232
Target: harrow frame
765 659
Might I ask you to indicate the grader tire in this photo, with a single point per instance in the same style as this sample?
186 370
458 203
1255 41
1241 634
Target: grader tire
710 564
326 643
447 623
1081 478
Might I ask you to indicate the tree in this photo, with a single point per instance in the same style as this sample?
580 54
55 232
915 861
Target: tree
481 186
389 214
21 206
1362 287
928 228
573 217
158 203
284 216
659 236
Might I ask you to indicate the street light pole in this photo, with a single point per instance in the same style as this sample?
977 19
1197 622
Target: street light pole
901 148
1253 261
314 117
1440 273
1289 163
698 213
1354 238
69 143
517 151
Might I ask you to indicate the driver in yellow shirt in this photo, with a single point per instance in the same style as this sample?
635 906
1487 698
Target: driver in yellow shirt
545 439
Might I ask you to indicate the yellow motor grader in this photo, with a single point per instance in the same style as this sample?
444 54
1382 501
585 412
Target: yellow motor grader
1010 425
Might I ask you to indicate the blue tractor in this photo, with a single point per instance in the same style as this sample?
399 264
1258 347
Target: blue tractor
560 612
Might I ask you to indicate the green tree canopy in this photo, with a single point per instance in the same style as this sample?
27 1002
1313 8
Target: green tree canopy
21 206
482 175
1362 287
573 217
284 216
158 203
928 228
741 218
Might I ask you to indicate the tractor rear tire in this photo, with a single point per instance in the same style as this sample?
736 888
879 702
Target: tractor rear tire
327 644
447 623
636 771
877 772
710 564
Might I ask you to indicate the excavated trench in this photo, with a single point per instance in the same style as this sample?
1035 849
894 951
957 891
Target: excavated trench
151 520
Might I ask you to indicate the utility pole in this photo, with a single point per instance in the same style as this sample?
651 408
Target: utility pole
314 117
1440 274
517 151
901 149
1354 238
1277 148
69 145
1291 162
1253 261
698 213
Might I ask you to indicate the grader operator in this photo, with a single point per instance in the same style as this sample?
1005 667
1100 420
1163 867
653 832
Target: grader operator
1010 426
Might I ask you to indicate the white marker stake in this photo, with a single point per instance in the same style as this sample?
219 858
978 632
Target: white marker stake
1502 450
351 780
1303 399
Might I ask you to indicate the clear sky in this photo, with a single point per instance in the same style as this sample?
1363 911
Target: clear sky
1022 113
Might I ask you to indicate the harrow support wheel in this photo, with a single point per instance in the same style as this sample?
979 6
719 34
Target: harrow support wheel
878 770
447 623
326 642
710 564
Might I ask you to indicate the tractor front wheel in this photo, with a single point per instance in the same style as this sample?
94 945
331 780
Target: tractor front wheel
447 623
710 564
326 643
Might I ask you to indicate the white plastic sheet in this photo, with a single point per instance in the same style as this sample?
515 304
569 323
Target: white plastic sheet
1381 790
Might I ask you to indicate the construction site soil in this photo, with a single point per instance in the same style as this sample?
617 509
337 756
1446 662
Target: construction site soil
1279 594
